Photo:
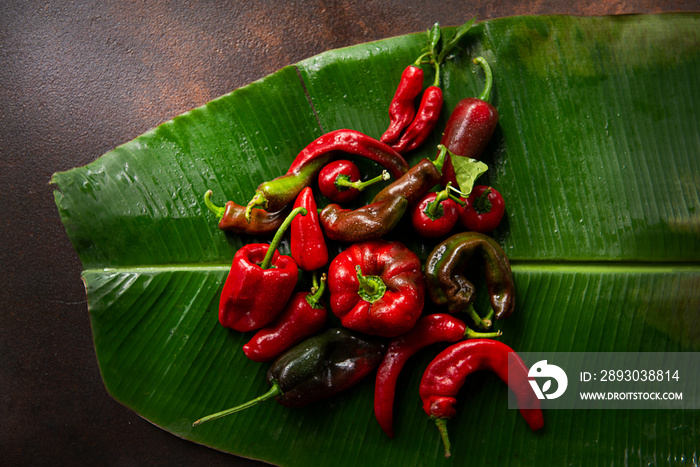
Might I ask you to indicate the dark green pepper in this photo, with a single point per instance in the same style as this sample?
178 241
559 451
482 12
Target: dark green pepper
447 284
317 368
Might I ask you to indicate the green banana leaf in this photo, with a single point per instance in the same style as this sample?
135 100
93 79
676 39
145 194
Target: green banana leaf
598 157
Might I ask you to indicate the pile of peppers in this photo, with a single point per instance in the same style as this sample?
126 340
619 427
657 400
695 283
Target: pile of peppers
377 287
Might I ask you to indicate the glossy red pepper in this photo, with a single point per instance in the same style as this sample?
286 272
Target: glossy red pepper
374 220
273 195
308 245
483 209
424 122
340 181
377 288
429 330
303 317
446 374
470 126
436 213
259 284
232 218
402 107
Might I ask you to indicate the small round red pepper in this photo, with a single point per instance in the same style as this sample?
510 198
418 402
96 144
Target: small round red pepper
259 284
307 245
483 209
303 316
470 126
402 106
340 181
429 330
446 374
377 287
436 213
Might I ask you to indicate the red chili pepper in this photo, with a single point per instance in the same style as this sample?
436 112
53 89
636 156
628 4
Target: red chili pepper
429 330
340 182
259 284
445 375
303 316
470 126
436 213
423 124
377 287
308 246
402 106
273 195
483 209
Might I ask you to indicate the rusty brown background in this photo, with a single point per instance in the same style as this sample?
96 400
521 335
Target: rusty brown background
76 80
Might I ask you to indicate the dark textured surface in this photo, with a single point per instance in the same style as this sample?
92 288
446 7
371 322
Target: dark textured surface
77 80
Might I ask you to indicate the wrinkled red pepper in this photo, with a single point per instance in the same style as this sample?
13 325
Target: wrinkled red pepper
429 330
424 122
446 374
377 287
259 284
303 317
402 107
307 245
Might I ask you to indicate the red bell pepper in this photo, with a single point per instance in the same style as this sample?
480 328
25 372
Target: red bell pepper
377 287
308 246
259 284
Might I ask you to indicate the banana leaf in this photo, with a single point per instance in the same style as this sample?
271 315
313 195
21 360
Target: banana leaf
597 154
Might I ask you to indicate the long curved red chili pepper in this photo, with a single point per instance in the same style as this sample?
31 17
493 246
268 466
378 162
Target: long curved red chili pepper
445 376
424 122
273 195
402 107
428 330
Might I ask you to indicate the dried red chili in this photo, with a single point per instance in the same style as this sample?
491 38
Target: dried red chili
259 284
446 374
429 330
303 317
402 106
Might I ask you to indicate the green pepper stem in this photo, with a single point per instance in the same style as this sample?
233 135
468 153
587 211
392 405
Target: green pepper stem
217 210
258 201
471 334
267 260
485 94
442 157
433 208
371 288
483 323
419 60
273 392
442 428
345 183
317 292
